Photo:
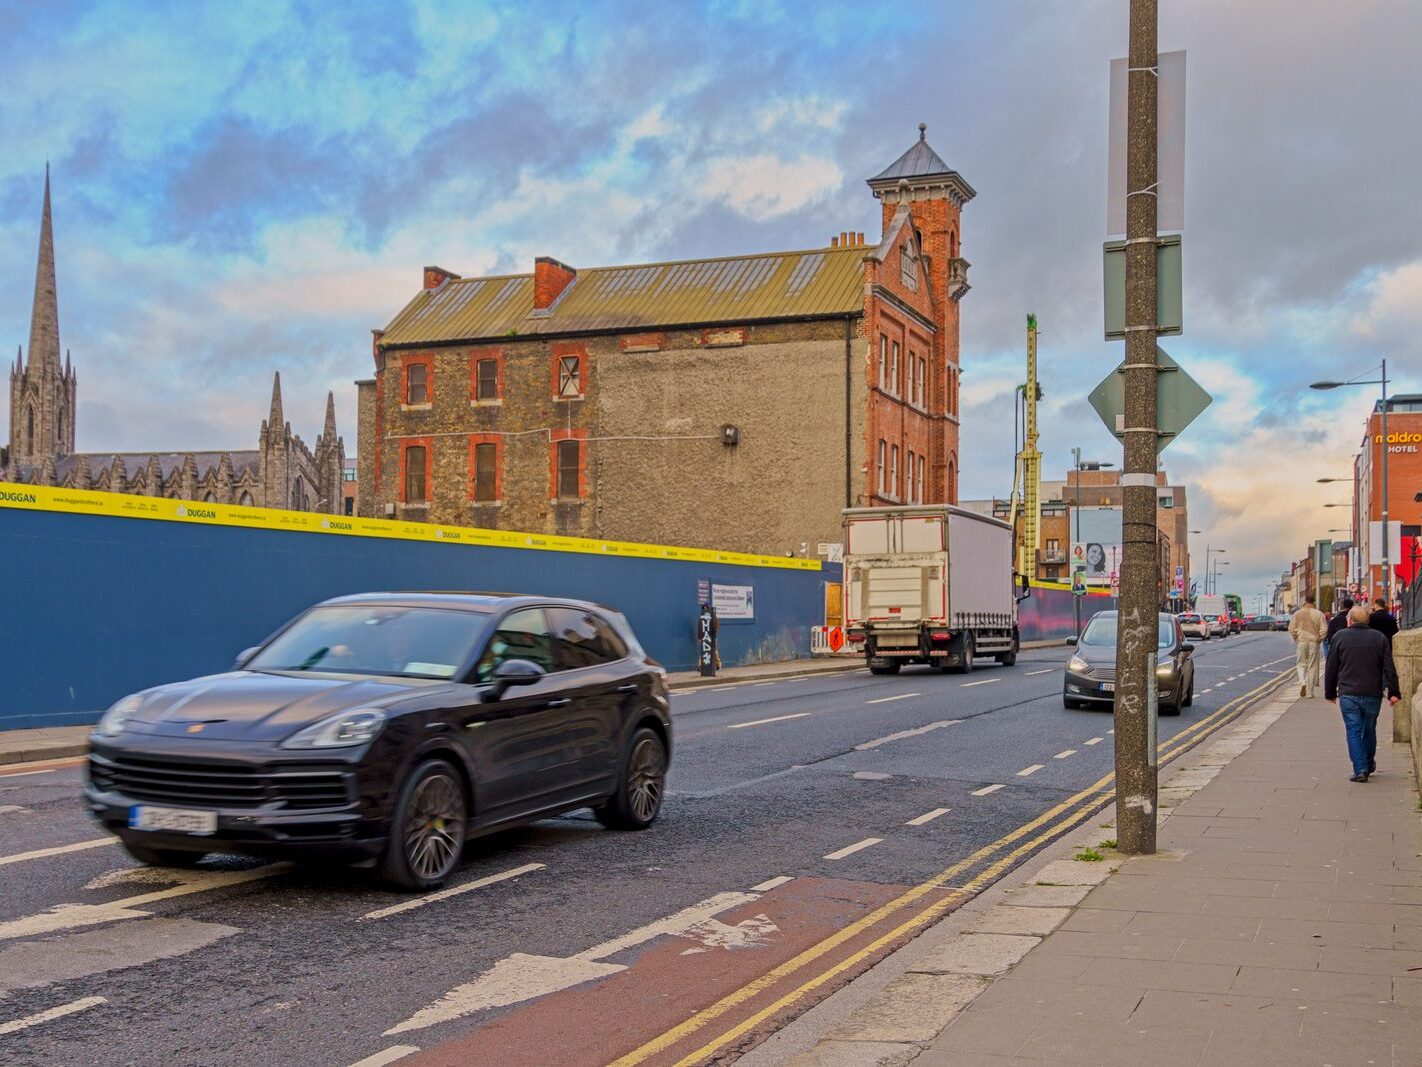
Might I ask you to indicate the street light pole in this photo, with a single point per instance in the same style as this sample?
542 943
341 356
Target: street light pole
1386 529
1138 625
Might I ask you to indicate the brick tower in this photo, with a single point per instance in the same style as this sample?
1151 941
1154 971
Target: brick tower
934 194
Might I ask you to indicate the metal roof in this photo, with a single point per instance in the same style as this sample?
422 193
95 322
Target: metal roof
918 162
777 285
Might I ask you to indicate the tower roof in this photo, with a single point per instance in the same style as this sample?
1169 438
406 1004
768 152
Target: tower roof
44 316
918 162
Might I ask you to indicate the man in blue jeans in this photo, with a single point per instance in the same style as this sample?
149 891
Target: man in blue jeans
1358 674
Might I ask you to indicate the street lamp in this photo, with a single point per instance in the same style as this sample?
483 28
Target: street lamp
1218 564
1381 380
1080 465
1208 551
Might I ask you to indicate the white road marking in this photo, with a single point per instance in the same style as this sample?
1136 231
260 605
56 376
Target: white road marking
985 681
47 766
771 883
901 696
849 850
60 1012
1064 755
985 790
522 977
73 916
917 731
1211 689
757 685
57 850
10 809
1025 771
445 894
872 776
927 816
26 774
1094 741
1049 670
762 722
387 1055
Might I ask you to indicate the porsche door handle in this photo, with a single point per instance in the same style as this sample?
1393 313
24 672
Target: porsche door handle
561 702
630 688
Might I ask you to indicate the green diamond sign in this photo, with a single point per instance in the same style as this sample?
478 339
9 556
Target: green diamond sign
1179 400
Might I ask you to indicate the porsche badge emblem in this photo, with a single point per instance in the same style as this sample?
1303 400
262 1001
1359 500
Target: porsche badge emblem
196 727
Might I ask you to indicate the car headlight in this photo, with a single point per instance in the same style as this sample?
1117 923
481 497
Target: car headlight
116 718
339 731
1076 663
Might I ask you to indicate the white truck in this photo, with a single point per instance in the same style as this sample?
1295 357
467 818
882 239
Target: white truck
929 584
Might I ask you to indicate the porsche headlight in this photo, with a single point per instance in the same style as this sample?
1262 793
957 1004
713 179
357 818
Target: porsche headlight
345 730
1076 663
116 718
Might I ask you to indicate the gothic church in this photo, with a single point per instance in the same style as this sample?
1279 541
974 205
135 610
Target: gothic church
282 472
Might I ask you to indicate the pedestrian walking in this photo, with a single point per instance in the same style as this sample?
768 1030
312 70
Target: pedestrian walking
1307 628
1336 624
1383 620
1358 674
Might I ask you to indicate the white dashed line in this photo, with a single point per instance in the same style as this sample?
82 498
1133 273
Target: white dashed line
1049 670
985 681
1064 755
1094 741
771 883
927 816
985 790
26 774
52 1013
10 809
849 850
885 700
762 722
906 733
387 1055
57 850
445 894
1212 688
1025 771
757 685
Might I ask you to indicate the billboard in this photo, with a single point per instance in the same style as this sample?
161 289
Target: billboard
1096 544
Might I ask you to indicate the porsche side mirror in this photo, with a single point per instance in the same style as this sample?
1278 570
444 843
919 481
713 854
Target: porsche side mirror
1070 641
510 673
244 656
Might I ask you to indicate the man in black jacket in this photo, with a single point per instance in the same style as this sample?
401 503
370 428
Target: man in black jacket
1337 623
1383 621
1359 672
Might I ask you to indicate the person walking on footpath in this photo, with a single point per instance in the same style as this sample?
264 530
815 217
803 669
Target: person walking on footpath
1307 628
1337 622
1383 620
1358 674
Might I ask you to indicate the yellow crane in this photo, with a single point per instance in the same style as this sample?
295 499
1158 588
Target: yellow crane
1027 481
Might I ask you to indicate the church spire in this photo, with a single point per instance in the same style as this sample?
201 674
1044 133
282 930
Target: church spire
330 429
274 419
44 318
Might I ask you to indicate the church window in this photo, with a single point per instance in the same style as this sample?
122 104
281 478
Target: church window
486 471
59 423
417 383
570 377
245 499
298 495
208 498
486 385
416 458
30 430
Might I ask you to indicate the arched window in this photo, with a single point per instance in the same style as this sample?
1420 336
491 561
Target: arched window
30 429
208 498
952 482
246 499
59 415
952 244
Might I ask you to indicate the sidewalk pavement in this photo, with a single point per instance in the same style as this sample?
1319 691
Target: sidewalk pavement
1279 922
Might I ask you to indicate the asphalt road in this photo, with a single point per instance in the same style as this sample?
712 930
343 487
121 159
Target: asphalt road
811 825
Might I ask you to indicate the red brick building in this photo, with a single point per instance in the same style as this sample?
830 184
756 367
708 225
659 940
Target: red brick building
740 402
1404 458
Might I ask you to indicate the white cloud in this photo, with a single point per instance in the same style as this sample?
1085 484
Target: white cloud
764 186
1395 303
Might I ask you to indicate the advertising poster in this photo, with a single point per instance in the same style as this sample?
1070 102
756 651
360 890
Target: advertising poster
1096 548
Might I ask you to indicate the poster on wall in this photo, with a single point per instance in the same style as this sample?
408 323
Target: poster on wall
734 602
1096 544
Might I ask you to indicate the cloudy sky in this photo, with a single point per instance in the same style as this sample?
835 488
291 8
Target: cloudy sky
241 188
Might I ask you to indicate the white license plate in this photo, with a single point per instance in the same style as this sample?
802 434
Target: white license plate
1108 687
179 820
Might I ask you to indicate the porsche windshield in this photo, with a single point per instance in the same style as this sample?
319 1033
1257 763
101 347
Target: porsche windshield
406 642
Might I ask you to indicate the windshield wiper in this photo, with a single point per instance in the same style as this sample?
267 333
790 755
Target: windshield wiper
313 659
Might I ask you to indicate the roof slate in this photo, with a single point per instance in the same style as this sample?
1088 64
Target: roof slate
918 162
776 285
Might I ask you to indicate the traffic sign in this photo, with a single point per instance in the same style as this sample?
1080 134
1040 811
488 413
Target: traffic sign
1179 400
836 638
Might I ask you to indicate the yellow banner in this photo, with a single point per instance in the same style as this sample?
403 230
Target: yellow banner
125 506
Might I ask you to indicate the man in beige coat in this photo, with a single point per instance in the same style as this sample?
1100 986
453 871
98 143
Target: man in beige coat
1307 628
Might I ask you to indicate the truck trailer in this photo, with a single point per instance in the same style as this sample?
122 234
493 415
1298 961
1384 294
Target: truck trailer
929 584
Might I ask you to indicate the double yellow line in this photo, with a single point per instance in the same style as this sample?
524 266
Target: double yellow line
1091 799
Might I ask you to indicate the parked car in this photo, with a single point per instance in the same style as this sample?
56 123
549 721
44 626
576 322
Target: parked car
1194 625
1218 624
391 727
1281 622
1261 622
1091 671
1236 624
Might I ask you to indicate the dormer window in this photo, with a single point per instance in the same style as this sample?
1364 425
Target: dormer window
908 267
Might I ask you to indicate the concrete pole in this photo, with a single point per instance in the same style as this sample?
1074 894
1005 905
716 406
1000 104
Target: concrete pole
1136 644
1386 528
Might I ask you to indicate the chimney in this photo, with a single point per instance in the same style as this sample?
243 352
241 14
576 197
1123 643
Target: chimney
437 276
834 242
550 278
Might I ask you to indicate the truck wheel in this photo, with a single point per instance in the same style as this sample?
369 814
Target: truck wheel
965 663
1009 659
891 667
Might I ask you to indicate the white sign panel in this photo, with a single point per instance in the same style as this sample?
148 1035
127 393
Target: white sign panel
1375 544
1170 152
733 601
